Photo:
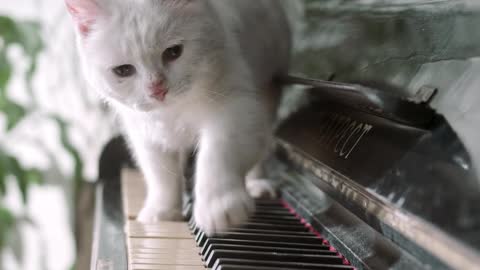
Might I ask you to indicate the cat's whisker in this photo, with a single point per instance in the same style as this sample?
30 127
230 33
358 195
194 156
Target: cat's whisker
212 99
217 93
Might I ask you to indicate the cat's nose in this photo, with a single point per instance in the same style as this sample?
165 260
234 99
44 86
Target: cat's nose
158 90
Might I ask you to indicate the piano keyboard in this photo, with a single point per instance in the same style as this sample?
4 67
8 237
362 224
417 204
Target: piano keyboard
274 238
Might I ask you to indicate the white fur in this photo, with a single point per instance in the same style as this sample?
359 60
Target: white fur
221 98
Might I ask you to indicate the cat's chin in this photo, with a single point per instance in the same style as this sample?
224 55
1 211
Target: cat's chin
143 107
148 106
138 106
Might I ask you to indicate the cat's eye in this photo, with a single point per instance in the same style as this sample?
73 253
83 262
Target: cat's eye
124 71
173 53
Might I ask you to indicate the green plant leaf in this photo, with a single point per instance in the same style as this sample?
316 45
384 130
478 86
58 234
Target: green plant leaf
15 242
14 113
3 184
78 170
16 170
28 36
24 177
34 176
8 30
5 73
31 41
7 221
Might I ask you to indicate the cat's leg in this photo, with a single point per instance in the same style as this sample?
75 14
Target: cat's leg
258 185
164 180
226 154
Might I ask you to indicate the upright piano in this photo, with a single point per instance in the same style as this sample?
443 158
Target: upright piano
370 176
368 180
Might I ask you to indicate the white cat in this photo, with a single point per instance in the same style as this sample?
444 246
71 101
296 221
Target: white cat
189 73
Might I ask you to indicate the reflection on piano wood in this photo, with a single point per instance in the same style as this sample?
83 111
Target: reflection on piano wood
273 238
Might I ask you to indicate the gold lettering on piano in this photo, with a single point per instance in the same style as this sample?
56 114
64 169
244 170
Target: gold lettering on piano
341 134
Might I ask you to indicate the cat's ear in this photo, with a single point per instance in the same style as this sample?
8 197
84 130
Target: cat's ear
84 14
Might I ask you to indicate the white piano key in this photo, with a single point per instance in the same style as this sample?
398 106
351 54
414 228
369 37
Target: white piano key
177 230
165 267
161 243
158 246
169 225
163 251
168 260
177 255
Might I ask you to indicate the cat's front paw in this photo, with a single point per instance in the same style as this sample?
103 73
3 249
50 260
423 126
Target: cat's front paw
261 189
149 215
218 213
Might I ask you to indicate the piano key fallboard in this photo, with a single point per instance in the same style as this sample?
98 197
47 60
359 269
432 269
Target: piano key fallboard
275 237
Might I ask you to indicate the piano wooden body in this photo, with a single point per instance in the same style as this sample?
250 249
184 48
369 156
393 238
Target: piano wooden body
370 178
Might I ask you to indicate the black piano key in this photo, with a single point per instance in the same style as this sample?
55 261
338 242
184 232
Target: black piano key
212 241
277 217
265 220
192 224
239 263
269 226
272 208
240 267
290 233
273 238
272 256
276 227
292 221
272 212
269 203
200 238
247 247
263 237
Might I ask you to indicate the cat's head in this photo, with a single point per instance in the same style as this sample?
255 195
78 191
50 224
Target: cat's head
146 54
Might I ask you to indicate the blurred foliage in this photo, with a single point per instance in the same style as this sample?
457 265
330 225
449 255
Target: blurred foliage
25 35
7 221
78 177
